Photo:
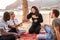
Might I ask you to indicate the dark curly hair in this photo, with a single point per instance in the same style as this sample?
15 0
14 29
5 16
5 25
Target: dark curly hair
6 16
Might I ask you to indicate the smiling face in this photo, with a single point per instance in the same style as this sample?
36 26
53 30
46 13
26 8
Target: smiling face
51 14
12 15
33 10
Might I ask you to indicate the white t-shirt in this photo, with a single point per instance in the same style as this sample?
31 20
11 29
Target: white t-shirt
12 22
4 25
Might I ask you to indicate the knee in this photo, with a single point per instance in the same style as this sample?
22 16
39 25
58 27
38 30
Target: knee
41 36
37 31
38 37
31 31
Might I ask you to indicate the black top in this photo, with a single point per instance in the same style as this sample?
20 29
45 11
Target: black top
39 19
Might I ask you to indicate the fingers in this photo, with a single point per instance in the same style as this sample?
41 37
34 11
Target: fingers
35 20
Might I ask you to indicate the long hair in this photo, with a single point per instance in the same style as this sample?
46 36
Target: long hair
36 10
6 16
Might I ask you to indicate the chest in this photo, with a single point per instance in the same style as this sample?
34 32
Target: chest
34 17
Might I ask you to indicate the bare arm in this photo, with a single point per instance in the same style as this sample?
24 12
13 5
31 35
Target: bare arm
8 33
57 33
29 16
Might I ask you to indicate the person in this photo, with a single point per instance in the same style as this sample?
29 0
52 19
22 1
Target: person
13 20
14 23
53 15
56 25
50 33
36 18
4 34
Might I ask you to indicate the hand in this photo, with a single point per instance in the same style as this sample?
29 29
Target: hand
21 24
47 25
16 35
34 16
44 25
35 20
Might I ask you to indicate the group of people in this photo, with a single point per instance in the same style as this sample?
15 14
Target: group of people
52 31
9 25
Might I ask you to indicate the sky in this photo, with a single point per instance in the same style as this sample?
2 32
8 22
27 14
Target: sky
42 3
4 3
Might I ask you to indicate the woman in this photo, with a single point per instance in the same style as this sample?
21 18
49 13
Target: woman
13 20
56 25
14 23
36 18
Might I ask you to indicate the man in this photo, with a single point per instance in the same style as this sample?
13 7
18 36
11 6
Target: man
48 36
56 25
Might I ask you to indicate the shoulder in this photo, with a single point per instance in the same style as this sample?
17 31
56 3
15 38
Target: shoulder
15 19
39 14
2 23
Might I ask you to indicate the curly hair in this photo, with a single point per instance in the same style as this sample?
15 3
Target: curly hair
6 16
